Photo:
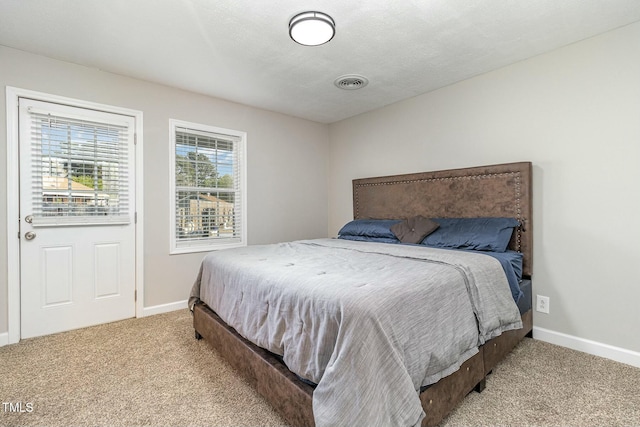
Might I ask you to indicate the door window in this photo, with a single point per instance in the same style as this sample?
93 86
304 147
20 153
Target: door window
80 170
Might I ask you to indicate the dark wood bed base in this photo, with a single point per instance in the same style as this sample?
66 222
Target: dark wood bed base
498 190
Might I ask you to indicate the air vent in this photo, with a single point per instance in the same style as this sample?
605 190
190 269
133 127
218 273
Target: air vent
351 82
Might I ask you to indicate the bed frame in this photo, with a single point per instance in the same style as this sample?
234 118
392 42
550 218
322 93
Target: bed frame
490 191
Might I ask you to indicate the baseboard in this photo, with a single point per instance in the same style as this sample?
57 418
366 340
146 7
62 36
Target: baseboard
164 308
587 346
4 339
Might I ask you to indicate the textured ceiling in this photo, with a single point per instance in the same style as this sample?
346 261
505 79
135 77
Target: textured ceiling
240 50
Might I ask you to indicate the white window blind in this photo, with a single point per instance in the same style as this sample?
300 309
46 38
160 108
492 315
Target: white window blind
80 170
208 208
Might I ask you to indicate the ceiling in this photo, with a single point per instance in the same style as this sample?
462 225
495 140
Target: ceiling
240 50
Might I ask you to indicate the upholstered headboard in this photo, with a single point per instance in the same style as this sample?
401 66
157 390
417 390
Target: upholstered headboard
486 191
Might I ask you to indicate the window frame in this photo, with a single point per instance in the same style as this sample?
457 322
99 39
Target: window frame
213 243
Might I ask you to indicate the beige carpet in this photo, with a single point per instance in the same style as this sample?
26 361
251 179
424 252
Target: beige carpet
152 372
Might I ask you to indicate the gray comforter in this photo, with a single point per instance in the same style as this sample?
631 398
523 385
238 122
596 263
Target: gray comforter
370 323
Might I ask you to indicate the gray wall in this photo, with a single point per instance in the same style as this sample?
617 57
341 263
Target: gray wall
287 163
575 113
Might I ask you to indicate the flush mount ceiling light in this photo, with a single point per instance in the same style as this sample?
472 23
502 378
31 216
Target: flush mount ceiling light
312 28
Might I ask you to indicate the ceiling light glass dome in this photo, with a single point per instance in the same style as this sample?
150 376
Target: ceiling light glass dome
312 28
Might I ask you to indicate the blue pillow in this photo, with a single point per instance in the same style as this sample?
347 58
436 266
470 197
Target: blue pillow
481 234
369 228
369 239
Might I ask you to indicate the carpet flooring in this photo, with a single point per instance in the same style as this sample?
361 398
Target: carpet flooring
152 372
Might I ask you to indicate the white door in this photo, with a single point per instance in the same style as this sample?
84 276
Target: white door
77 228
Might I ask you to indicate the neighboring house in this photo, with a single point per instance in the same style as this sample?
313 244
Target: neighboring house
56 189
61 196
207 216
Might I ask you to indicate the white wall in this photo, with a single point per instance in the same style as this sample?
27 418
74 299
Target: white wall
287 163
575 113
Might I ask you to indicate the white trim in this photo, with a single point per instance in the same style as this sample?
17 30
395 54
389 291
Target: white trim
13 216
4 339
165 308
139 214
13 197
618 354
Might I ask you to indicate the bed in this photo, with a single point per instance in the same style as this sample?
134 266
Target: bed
487 191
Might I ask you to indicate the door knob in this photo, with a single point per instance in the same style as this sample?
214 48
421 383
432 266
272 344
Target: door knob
29 235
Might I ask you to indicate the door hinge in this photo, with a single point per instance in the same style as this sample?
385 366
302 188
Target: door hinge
135 139
135 296
135 217
18 235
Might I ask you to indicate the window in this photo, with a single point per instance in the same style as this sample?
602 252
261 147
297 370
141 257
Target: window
80 169
208 191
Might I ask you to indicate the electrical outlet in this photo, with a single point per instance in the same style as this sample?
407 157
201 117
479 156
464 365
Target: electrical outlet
542 304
